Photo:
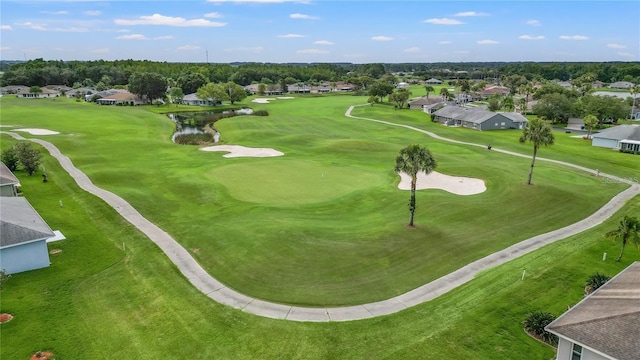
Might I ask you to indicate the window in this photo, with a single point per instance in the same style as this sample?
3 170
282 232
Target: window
576 352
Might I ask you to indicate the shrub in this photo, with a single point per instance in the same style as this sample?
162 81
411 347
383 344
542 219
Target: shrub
261 113
10 158
534 324
28 156
594 282
193 139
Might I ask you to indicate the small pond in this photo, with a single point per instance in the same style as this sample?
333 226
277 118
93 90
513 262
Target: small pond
190 123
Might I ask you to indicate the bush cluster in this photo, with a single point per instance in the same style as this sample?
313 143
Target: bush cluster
21 154
193 139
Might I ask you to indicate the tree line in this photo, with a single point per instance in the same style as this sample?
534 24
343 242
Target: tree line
89 73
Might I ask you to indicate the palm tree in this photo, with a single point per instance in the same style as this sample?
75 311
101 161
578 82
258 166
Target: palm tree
590 121
539 133
628 230
445 93
410 161
429 89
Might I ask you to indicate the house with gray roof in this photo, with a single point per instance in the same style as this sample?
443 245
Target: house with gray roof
193 99
479 119
605 324
623 137
23 237
8 182
621 85
434 81
423 101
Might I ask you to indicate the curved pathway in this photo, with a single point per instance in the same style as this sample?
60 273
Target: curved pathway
217 291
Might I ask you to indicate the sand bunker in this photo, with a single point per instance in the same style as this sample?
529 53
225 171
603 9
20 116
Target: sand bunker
435 180
38 131
242 151
266 100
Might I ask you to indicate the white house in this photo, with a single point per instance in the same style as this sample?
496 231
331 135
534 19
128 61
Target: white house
605 325
613 137
44 93
621 85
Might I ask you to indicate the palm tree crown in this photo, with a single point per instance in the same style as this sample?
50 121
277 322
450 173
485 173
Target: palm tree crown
412 160
628 231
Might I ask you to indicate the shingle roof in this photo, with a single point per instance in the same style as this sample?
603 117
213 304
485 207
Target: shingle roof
607 320
20 223
515 117
6 176
424 101
620 132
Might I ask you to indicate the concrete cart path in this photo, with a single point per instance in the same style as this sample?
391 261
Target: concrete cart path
217 291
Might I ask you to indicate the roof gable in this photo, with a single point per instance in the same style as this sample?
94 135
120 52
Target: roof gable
620 132
20 223
604 320
6 176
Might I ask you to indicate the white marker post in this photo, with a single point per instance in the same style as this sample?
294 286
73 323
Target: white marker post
523 272
604 257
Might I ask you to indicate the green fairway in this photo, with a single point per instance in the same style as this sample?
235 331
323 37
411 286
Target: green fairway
323 225
282 182
98 301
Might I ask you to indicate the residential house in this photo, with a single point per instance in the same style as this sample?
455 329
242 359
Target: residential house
82 91
121 98
623 137
621 85
23 237
575 124
297 89
58 88
44 93
9 183
605 324
13 89
479 119
193 99
434 81
493 90
422 102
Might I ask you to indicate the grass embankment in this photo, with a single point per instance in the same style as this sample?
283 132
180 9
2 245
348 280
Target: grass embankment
98 301
323 225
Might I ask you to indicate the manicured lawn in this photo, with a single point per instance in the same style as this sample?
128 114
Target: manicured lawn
323 225
98 301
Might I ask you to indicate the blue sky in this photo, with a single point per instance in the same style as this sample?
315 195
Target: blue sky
321 31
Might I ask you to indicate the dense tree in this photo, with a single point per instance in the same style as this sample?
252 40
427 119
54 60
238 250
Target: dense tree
412 160
494 102
605 108
176 95
628 231
10 158
381 89
400 97
232 92
538 133
555 107
35 90
508 104
210 91
28 156
151 86
190 82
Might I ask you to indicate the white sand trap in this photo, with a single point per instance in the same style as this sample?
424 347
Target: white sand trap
262 100
242 151
38 131
435 180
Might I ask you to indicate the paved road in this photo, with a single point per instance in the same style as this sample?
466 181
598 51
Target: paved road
219 292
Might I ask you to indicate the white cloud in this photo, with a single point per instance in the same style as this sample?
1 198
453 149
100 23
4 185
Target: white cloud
62 12
531 37
444 21
6 27
165 37
256 49
157 19
303 16
290 36
534 22
5 48
188 47
625 54
616 46
471 13
312 51
412 49
132 37
381 38
213 15
100 51
43 27
487 42
323 42
574 37
93 12
444 42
